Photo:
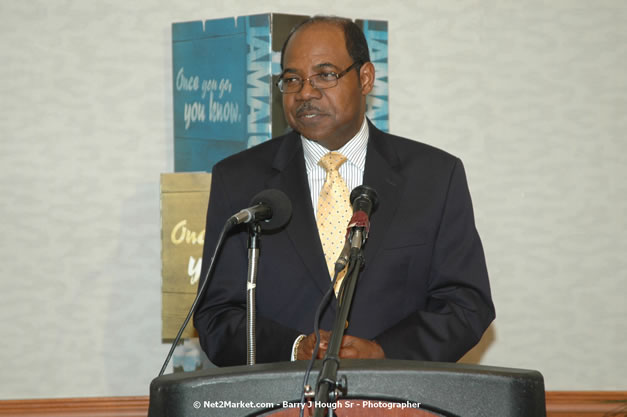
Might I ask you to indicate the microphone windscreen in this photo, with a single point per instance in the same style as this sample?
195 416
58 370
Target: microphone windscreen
364 198
280 205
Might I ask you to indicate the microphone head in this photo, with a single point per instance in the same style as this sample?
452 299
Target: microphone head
279 204
364 198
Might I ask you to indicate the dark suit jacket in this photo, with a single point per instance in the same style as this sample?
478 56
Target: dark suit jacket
423 293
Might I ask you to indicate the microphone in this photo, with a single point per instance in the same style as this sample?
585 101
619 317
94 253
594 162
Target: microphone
270 208
364 199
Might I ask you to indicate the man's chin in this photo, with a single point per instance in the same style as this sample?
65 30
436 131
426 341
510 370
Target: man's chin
310 133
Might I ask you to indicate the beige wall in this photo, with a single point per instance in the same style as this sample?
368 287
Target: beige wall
531 95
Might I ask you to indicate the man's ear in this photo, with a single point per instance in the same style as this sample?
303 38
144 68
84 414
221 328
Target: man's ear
366 77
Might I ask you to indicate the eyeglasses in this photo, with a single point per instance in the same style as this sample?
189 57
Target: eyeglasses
322 80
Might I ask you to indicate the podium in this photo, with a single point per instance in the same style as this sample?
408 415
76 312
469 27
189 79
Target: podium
428 388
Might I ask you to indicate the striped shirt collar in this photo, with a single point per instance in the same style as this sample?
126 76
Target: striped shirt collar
354 150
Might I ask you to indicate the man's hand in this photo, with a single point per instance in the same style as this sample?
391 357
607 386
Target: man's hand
358 348
307 345
351 348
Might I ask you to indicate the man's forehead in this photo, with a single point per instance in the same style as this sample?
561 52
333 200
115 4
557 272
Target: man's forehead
318 45
328 66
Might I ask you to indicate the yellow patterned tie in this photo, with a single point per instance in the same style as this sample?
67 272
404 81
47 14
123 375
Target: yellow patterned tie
334 211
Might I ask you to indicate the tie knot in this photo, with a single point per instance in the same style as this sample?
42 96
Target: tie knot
332 161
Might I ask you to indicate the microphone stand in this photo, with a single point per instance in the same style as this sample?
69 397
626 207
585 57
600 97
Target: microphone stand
251 283
328 387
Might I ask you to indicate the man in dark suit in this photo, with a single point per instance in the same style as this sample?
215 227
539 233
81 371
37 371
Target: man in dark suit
423 292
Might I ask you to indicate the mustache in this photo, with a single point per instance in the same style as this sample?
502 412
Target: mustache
306 107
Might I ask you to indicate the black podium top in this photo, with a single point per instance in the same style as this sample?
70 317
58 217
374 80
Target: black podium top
445 388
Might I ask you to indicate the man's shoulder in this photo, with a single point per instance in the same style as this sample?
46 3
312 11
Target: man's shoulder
418 146
261 155
407 150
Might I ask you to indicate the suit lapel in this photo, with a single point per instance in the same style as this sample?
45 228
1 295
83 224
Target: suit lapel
291 177
381 173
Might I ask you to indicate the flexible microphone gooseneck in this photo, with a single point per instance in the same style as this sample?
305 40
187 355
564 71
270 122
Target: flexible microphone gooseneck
270 210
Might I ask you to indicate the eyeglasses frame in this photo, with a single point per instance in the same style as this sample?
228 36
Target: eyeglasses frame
302 84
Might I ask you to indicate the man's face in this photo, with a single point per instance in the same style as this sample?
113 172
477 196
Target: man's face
329 116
